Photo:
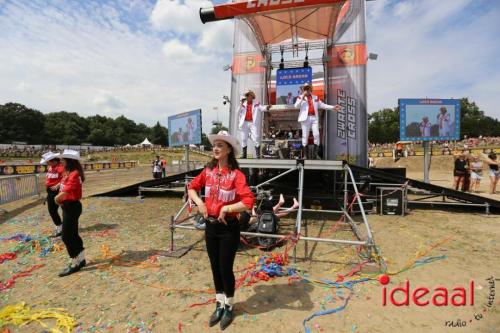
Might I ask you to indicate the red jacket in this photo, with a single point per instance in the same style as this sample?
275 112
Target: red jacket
223 188
72 185
54 175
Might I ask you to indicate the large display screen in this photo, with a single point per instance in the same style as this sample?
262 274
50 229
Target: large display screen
429 119
185 129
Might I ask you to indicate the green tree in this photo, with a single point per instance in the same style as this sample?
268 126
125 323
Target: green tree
383 126
100 130
205 142
218 127
159 135
474 122
19 123
66 128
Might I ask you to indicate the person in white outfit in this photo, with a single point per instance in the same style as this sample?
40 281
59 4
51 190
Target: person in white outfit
308 116
190 129
425 127
250 122
444 122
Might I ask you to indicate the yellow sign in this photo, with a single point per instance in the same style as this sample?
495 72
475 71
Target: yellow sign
24 169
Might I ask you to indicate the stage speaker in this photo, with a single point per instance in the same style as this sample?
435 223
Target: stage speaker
392 200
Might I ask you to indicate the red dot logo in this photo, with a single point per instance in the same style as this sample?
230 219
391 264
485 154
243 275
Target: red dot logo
384 279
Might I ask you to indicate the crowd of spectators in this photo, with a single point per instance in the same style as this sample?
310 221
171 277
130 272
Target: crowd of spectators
445 146
33 153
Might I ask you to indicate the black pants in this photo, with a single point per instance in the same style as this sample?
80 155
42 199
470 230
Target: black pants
222 243
72 240
53 207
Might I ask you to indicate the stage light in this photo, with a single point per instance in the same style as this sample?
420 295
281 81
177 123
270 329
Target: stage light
225 100
306 60
282 62
372 56
225 68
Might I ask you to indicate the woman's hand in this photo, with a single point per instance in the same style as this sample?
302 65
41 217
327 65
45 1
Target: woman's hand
222 214
57 199
202 209
55 187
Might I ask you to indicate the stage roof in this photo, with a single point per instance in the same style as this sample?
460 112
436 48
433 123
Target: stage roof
278 21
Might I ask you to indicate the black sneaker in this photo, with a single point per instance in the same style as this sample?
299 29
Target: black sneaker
217 315
73 269
227 317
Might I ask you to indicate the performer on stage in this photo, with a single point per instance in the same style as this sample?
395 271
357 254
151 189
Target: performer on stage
425 127
69 200
250 122
308 116
190 129
444 122
226 195
54 176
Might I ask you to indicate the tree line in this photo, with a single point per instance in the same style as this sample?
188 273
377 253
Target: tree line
20 123
383 125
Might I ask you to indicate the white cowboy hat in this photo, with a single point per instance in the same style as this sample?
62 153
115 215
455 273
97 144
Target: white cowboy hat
226 137
48 156
251 93
70 154
307 84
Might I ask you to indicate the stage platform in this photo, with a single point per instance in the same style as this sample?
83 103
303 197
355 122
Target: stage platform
324 182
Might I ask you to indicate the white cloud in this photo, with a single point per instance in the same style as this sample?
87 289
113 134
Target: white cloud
89 59
437 49
218 36
178 16
109 103
182 54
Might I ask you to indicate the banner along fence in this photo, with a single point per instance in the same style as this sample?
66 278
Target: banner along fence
24 169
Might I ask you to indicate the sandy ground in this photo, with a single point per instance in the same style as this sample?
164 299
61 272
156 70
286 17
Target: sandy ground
142 291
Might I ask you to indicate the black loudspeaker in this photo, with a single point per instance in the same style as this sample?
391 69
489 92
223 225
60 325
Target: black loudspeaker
391 200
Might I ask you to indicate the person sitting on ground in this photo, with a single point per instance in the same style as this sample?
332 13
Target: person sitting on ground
251 219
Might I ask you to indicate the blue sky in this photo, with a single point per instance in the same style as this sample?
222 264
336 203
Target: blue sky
148 60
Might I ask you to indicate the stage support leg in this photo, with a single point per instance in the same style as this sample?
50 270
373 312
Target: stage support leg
427 161
299 212
172 234
187 158
305 242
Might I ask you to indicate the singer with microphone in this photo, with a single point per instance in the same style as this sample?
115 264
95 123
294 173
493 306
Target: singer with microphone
226 195
308 116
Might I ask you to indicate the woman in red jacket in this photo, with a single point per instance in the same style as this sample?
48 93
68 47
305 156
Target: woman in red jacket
69 199
226 195
54 176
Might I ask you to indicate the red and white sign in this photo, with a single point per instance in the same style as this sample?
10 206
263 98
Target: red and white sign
258 6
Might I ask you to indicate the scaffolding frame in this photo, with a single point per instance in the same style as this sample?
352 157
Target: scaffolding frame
289 166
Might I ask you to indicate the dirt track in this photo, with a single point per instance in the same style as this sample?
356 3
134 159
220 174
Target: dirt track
123 237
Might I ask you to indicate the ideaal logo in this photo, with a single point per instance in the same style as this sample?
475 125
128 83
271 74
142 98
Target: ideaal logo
423 296
440 296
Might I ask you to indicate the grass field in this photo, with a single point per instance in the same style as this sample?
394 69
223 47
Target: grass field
144 157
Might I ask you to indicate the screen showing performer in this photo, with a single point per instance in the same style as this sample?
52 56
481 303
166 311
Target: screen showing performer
429 119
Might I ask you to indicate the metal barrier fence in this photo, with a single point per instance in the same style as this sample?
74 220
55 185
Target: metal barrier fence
182 167
18 187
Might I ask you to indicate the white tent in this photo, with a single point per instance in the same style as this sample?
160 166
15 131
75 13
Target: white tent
128 145
146 142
